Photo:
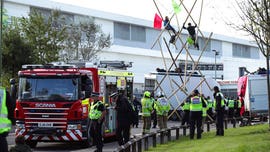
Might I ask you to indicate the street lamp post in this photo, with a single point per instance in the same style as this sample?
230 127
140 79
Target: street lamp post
216 54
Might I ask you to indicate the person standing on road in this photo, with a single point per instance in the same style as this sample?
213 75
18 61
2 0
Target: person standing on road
97 115
231 106
204 111
196 106
209 108
186 107
219 106
147 107
162 106
154 111
124 118
137 106
6 117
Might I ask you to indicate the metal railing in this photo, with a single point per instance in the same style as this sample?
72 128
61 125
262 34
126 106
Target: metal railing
165 135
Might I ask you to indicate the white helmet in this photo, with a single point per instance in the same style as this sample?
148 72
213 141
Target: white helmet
160 94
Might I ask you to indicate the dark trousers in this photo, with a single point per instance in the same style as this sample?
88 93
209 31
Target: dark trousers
95 132
185 118
231 113
195 119
122 133
154 118
219 123
169 27
136 121
3 142
238 112
193 37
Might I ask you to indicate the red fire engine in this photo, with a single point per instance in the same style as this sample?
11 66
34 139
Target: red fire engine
50 103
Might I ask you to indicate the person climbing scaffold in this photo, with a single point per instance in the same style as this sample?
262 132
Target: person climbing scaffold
192 34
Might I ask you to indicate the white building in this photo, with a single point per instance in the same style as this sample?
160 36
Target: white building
132 39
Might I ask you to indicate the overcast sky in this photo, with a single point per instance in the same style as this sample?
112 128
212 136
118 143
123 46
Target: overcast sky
215 13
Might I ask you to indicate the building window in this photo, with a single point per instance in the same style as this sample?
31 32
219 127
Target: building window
129 32
241 50
138 33
122 31
202 43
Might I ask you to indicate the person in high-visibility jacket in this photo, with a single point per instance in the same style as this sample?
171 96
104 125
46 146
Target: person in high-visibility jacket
204 111
6 117
96 115
231 106
210 108
238 110
186 108
196 106
147 107
219 106
162 106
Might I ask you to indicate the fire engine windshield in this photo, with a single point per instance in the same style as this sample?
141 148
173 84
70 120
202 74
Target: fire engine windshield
48 89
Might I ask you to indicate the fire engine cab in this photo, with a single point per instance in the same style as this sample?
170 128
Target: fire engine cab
50 103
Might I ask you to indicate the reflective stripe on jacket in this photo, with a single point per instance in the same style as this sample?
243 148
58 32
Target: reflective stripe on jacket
196 104
147 107
94 112
162 106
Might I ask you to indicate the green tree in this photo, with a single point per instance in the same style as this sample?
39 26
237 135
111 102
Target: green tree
86 40
46 35
16 51
255 16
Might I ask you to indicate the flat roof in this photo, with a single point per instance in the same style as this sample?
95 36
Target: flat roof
115 17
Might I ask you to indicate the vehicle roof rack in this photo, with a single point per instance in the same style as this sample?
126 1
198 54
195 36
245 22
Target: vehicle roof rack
115 64
46 66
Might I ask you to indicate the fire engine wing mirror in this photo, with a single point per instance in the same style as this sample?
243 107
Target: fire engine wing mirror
83 95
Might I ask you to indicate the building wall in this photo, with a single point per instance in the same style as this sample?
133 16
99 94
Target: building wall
145 59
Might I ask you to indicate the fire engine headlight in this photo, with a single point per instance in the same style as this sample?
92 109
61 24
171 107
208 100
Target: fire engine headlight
74 126
20 126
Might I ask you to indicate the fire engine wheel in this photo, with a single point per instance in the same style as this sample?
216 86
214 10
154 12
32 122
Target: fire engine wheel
32 144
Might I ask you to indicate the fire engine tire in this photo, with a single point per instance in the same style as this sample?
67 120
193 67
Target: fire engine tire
31 144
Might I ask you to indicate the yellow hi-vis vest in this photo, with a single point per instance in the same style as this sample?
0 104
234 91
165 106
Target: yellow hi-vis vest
222 100
209 103
231 104
162 106
186 106
204 109
5 123
94 113
239 104
196 104
86 103
147 107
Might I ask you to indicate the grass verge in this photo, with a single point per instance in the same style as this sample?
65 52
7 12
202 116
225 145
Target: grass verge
244 139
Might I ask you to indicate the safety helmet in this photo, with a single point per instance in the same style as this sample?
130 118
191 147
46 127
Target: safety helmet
147 94
160 94
12 81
